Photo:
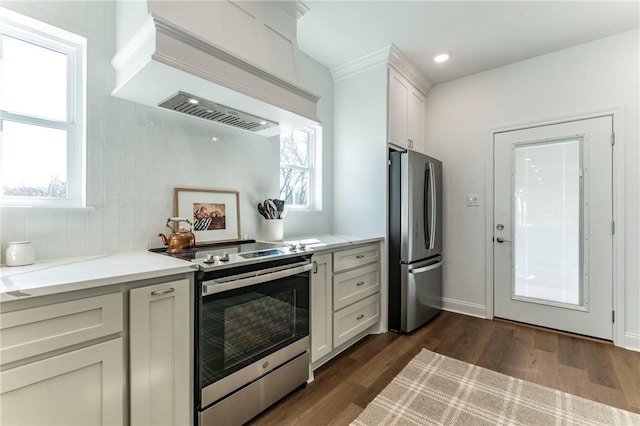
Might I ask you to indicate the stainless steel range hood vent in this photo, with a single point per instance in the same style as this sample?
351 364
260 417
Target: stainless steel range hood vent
207 110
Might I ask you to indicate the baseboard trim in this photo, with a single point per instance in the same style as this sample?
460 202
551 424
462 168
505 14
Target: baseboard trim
466 308
632 341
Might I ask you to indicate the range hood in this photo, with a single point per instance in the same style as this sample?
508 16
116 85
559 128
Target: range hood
165 65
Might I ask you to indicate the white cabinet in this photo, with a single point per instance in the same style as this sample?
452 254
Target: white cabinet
406 113
345 299
356 291
321 312
49 378
82 387
160 354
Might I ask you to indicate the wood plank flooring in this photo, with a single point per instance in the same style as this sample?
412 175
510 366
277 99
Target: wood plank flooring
342 388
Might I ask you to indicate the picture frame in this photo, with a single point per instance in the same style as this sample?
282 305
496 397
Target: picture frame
214 213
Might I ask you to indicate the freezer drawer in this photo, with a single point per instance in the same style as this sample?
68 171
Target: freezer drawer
421 293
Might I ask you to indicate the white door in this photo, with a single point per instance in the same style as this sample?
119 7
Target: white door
553 226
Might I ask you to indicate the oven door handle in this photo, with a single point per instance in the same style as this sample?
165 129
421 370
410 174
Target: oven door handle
213 286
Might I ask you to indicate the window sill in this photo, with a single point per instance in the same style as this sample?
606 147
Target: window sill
50 208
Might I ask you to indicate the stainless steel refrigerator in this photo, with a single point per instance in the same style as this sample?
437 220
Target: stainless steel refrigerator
415 239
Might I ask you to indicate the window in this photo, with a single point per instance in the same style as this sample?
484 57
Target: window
299 169
42 108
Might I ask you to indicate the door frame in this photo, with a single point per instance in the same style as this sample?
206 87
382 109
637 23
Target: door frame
617 114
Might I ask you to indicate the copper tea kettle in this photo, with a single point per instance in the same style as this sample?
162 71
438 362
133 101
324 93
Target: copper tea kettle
180 239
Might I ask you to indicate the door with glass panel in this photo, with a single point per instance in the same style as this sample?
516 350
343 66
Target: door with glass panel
553 226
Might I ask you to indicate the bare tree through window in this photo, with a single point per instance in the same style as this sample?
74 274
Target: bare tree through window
296 167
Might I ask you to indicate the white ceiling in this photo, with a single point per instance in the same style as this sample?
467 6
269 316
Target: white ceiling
480 35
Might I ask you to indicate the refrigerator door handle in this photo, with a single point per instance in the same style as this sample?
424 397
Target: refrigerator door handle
426 222
426 268
434 201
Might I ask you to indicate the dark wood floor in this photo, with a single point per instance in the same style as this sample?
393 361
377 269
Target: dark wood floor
342 388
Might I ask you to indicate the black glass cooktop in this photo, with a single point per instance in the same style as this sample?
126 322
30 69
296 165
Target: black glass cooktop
245 248
261 253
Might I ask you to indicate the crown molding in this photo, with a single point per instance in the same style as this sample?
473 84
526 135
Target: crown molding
297 9
388 56
401 64
361 64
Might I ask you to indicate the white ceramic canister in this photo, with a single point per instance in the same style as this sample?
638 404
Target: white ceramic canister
272 229
20 253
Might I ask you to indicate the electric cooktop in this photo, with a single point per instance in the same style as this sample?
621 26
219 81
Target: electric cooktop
220 255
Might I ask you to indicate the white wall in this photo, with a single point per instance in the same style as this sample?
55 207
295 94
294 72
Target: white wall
460 115
137 155
360 153
318 79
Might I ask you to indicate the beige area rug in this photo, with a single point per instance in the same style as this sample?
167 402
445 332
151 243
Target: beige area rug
437 390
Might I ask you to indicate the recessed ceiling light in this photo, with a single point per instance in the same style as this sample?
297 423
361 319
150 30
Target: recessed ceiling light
442 57
214 139
193 101
263 122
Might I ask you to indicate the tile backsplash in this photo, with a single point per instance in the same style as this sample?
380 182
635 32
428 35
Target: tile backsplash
136 155
133 166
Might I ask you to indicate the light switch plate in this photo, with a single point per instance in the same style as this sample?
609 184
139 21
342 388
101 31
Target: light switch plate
473 200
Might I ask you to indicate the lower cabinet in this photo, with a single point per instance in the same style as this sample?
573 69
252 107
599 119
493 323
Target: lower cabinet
321 313
63 362
345 299
160 366
82 387
48 378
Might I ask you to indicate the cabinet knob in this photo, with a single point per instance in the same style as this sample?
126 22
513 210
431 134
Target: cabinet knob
315 267
360 256
359 317
360 283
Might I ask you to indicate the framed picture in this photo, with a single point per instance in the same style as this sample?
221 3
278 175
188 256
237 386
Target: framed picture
215 213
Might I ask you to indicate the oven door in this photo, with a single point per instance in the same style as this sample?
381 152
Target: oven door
250 324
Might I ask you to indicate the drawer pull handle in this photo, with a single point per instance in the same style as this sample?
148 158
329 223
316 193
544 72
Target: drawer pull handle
359 317
360 283
360 256
161 292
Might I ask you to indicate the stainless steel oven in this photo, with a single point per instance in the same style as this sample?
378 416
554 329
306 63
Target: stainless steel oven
252 342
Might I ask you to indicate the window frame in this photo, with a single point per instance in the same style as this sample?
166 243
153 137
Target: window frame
75 48
314 168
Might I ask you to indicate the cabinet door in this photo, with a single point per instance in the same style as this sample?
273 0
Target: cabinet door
416 121
83 387
399 91
160 354
321 309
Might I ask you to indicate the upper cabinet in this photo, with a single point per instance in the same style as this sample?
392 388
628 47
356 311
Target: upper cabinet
406 113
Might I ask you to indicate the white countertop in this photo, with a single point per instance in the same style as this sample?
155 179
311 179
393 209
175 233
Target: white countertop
62 275
331 241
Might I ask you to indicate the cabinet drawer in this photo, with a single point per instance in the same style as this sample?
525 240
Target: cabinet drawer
355 319
352 286
352 258
34 331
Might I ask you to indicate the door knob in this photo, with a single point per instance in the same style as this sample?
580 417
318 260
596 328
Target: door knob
502 240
